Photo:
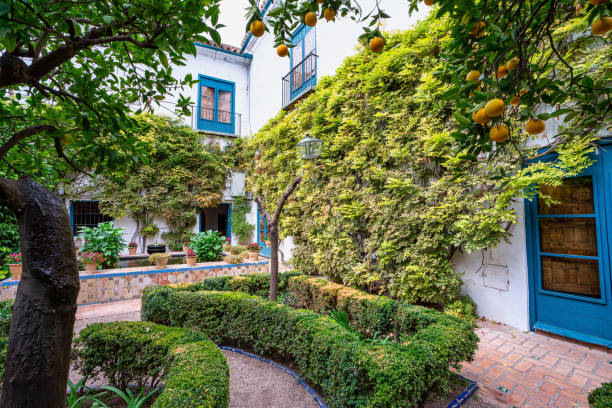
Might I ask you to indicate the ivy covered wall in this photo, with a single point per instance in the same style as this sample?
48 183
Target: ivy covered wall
390 202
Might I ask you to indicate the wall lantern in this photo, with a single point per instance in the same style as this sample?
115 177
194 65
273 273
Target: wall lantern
310 147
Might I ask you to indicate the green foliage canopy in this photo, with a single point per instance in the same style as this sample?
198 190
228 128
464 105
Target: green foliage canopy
392 199
180 175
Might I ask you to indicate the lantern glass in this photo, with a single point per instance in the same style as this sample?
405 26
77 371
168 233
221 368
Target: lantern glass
310 147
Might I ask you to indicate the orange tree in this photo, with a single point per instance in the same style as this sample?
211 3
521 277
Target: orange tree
70 72
514 63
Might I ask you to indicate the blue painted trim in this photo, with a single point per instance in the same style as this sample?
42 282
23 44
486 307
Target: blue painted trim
586 338
153 271
215 125
229 221
312 392
567 215
465 395
263 13
593 258
212 47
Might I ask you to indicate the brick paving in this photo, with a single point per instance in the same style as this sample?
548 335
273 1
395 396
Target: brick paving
519 369
512 368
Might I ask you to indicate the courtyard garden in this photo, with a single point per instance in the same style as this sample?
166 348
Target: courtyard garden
414 152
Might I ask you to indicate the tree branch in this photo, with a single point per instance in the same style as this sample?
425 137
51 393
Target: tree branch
262 208
23 134
60 152
284 198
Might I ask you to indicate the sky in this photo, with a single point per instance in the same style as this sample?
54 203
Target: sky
233 16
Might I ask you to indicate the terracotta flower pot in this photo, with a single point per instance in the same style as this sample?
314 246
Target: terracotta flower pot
253 255
132 250
161 263
268 243
191 260
16 270
91 268
226 247
185 249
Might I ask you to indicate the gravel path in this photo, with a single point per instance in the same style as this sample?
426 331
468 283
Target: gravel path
253 383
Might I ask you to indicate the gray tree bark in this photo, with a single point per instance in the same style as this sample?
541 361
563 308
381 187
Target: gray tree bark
40 336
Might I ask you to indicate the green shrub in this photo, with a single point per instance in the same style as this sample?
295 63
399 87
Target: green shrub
194 370
351 372
601 397
6 312
464 308
237 249
233 259
104 239
208 245
379 315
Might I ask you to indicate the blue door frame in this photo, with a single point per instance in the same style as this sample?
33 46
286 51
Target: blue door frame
228 224
215 125
297 40
584 318
261 219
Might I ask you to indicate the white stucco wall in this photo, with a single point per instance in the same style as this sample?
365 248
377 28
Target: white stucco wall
216 64
335 41
496 279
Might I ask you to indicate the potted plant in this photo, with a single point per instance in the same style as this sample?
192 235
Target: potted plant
104 239
132 247
268 242
253 249
91 260
159 259
186 245
208 245
151 230
15 265
191 257
227 244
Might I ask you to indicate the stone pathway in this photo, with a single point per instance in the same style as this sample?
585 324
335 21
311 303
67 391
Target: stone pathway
512 368
519 369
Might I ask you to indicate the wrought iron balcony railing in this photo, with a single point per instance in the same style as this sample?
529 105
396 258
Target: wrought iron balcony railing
301 81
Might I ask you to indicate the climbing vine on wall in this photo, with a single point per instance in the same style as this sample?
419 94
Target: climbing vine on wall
178 175
392 200
240 226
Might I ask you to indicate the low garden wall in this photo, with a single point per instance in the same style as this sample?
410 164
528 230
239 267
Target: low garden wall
351 369
129 283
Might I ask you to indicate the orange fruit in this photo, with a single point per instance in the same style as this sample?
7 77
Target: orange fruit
429 2
597 2
502 71
513 64
66 138
601 26
515 101
495 107
282 50
478 30
310 19
499 133
320 1
535 126
329 14
258 28
472 76
480 116
377 44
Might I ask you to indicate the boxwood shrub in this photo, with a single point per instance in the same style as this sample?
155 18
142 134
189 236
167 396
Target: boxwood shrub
193 368
601 397
371 314
351 372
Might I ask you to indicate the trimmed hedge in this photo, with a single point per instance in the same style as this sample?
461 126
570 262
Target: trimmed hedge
371 314
601 397
195 371
351 372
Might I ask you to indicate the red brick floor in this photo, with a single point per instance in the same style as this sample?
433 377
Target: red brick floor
519 369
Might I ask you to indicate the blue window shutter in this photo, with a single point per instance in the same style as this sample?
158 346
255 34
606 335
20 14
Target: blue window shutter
215 122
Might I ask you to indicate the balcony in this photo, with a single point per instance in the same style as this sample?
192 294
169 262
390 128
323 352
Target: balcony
300 82
216 121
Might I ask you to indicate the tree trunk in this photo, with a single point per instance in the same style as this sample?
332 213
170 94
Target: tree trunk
273 261
40 336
